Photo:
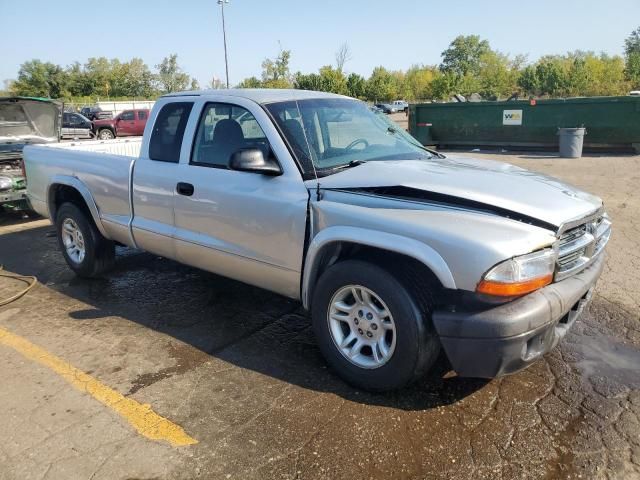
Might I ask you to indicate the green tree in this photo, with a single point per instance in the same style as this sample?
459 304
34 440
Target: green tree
609 75
332 80
463 55
138 80
381 85
579 76
307 81
552 76
328 79
632 54
356 86
170 76
418 82
528 80
444 85
40 79
275 72
632 43
251 82
496 77
632 70
98 76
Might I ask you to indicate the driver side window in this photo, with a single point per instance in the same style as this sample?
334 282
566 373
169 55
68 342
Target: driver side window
224 129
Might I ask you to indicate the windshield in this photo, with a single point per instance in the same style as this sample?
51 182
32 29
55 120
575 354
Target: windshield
330 134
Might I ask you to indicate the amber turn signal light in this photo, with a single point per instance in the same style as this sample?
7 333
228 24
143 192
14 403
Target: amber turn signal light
500 289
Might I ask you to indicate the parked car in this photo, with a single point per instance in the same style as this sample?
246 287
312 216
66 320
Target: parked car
75 125
397 251
23 121
386 107
127 123
95 113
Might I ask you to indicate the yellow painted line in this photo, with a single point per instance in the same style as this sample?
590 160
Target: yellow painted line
141 417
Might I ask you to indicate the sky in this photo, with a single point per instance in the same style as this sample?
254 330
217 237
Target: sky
392 33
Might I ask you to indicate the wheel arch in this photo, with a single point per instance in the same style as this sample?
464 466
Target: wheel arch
327 247
111 128
71 189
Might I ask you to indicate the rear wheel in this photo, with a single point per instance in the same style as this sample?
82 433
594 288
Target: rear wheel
105 134
370 328
84 248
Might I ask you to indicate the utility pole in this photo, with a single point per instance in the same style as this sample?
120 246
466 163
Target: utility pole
224 36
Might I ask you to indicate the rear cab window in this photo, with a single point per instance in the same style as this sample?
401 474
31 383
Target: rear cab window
142 115
168 132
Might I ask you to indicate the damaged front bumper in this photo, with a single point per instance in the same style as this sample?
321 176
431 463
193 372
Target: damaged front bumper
509 337
13 197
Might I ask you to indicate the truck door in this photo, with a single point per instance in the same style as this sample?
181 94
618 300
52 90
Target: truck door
126 123
242 225
154 181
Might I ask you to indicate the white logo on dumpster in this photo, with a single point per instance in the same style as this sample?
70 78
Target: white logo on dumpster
512 117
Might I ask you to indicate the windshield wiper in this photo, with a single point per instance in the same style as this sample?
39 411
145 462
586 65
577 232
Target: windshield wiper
352 163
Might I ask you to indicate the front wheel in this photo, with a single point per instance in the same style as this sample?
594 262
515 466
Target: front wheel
105 134
84 248
369 327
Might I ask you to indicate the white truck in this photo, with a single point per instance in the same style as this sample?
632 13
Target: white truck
400 105
397 251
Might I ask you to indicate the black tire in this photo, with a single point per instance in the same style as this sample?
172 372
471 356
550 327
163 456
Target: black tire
106 134
417 345
99 252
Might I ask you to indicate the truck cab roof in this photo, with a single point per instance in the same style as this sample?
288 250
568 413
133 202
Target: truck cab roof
259 95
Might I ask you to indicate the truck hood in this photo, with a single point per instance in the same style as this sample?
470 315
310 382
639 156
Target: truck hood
485 185
27 120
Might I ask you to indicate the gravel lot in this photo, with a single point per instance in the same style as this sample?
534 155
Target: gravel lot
237 368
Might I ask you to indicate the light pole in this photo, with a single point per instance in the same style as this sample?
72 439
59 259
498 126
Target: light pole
224 36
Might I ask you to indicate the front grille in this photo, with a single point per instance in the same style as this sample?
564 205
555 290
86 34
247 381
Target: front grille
580 245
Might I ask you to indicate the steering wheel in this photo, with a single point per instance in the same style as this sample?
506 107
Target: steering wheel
357 141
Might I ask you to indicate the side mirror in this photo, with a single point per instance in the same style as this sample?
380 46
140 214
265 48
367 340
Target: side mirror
252 160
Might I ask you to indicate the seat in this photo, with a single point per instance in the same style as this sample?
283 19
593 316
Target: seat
227 139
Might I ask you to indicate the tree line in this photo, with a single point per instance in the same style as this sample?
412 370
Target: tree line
101 78
469 66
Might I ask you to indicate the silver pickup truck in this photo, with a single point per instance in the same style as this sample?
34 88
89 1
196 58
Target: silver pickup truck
397 251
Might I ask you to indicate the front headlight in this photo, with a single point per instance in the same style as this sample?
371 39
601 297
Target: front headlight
519 275
5 183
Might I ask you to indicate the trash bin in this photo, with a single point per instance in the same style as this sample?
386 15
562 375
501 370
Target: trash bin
571 140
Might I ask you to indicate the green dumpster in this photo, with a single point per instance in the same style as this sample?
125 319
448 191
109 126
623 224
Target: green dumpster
613 123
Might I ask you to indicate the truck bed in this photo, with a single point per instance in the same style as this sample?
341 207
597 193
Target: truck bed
103 167
119 146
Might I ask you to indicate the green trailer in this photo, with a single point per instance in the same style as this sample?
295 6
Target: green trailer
612 123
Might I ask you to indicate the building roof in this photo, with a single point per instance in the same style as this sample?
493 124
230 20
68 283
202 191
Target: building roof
261 95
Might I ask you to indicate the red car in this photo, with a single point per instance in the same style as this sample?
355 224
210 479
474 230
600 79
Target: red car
127 123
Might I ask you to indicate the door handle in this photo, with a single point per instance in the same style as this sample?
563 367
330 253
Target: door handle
185 189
